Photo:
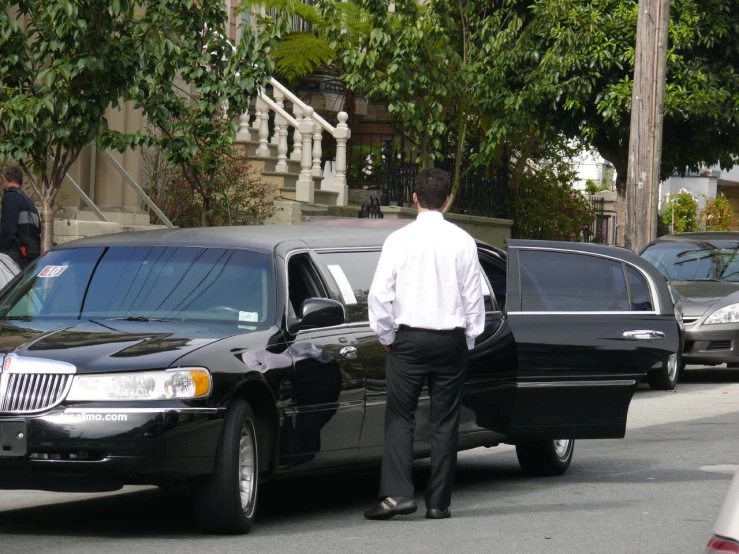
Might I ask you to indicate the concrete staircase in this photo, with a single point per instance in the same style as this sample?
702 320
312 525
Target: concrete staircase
73 224
285 183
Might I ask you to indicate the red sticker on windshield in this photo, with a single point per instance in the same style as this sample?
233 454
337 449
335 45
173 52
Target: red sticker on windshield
52 271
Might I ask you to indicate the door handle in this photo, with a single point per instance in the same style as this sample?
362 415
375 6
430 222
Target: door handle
348 352
644 335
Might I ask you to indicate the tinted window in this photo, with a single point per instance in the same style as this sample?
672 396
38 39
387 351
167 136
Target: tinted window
696 261
497 277
555 281
353 272
641 299
207 284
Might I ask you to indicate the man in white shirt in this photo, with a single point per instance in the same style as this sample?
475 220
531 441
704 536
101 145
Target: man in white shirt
428 285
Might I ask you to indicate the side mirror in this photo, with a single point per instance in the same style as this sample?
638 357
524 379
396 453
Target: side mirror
320 312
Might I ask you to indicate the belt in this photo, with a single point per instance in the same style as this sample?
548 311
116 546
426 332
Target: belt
441 331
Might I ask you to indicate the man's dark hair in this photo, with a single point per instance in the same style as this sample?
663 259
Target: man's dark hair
13 174
432 188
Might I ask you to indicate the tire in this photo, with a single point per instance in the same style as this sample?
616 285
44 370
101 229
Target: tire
545 458
220 506
666 377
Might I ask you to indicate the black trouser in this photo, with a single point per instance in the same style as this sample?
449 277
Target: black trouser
441 358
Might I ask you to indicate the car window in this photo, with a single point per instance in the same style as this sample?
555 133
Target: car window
188 284
563 282
699 260
497 277
303 281
353 273
641 298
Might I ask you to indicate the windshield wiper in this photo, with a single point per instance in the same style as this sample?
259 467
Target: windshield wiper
138 318
703 279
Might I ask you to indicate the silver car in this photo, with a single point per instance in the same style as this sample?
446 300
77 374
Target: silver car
704 270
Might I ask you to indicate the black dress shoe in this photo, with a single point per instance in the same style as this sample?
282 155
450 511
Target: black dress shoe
433 513
391 507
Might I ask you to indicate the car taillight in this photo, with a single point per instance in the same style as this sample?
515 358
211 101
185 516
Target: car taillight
719 545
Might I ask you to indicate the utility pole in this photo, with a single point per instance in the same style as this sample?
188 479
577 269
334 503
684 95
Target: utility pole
645 141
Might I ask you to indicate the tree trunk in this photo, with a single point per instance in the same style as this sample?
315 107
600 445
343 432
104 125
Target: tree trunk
611 152
620 211
205 212
520 167
47 224
461 137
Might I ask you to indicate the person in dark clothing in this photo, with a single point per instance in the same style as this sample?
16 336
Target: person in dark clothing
20 224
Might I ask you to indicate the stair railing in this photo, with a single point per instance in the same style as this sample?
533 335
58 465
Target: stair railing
308 128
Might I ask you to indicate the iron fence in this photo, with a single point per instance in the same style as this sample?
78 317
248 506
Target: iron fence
374 158
599 230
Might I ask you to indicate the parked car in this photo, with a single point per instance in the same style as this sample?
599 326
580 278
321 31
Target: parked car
725 539
8 270
704 270
222 357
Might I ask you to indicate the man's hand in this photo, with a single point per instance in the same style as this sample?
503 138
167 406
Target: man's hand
388 347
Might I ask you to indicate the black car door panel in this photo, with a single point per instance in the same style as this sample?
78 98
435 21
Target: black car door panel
588 323
329 380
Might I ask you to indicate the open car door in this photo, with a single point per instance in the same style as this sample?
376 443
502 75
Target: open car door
588 321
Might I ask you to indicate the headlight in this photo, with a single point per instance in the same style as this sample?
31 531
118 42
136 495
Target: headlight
727 314
178 383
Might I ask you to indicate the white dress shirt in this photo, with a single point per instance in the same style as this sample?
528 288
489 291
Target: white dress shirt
428 277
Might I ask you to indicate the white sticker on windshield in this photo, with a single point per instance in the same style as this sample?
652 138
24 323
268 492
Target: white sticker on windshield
52 271
346 289
248 316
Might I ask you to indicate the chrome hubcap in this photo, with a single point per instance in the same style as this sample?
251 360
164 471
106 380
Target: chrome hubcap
247 465
672 367
561 448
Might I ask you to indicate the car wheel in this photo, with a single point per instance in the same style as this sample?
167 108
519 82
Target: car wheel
545 458
226 501
666 377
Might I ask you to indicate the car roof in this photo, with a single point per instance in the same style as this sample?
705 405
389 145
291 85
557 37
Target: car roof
698 237
254 237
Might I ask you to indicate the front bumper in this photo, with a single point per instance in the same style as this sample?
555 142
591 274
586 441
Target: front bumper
711 344
100 447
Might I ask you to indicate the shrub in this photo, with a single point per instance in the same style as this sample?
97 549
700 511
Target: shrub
718 214
547 210
238 197
680 213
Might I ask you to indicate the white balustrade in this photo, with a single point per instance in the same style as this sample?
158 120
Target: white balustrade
317 152
305 188
263 117
281 166
280 101
308 128
243 133
297 138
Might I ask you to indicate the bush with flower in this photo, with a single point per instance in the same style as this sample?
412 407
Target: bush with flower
680 213
718 214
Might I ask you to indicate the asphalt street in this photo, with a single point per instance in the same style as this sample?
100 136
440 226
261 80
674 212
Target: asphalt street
657 491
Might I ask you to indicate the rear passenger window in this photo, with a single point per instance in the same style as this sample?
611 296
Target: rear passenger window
641 299
562 282
353 272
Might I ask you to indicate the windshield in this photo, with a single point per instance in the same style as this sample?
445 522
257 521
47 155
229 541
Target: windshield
145 283
696 261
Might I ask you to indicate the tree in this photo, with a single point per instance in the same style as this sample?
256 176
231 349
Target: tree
63 65
196 82
427 61
590 44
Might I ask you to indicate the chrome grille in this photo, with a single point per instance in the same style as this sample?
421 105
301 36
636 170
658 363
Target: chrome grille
32 392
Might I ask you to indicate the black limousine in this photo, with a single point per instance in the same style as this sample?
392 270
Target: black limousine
218 358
